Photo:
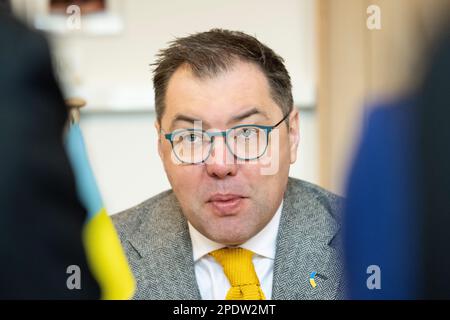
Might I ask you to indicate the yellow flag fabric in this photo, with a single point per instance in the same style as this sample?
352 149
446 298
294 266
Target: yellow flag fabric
104 252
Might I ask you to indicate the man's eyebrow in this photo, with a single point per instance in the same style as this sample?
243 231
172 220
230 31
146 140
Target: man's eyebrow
182 117
247 114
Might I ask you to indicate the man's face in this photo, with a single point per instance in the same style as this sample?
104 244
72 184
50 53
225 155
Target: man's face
227 201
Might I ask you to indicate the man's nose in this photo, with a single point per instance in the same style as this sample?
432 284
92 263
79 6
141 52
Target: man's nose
221 162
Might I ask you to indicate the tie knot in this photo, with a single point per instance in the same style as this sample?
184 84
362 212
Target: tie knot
237 265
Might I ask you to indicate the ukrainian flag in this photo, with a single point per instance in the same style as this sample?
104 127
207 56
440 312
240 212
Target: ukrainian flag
104 252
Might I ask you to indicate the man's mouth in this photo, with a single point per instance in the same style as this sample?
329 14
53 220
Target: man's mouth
226 204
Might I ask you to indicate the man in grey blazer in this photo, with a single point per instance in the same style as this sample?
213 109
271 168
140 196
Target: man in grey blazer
234 225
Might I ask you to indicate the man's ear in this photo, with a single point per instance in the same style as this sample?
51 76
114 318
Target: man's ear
294 134
158 133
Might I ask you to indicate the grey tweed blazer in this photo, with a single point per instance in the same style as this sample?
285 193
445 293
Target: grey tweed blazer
156 240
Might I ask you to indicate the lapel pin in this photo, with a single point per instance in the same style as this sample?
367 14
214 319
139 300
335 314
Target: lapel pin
312 280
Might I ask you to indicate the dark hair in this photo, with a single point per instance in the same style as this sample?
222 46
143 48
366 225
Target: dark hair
214 51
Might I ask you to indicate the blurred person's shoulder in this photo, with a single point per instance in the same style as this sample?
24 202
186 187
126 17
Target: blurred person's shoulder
18 39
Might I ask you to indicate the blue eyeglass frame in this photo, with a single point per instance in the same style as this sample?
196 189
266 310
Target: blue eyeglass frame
268 129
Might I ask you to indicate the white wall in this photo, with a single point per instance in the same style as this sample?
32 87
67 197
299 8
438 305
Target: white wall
113 71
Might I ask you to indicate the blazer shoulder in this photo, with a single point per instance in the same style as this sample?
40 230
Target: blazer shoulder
128 221
332 202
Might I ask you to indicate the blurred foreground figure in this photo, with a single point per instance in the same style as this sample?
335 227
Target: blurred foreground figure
434 112
397 221
41 218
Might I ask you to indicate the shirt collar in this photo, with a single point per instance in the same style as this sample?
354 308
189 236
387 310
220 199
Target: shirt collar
263 243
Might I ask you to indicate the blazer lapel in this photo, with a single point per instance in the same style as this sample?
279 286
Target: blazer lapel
306 229
164 267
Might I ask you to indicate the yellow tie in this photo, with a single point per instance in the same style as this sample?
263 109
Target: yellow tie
238 267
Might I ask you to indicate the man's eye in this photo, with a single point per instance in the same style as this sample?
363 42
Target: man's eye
191 138
247 133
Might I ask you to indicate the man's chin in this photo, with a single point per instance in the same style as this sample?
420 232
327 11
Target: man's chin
230 235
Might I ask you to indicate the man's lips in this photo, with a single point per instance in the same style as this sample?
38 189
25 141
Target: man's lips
226 204
224 197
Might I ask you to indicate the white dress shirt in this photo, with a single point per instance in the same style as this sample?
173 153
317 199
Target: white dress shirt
211 279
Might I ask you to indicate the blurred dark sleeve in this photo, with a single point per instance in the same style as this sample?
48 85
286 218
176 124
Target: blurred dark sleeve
41 219
381 224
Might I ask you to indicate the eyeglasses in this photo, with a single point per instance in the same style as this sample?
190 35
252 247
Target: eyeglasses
245 142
